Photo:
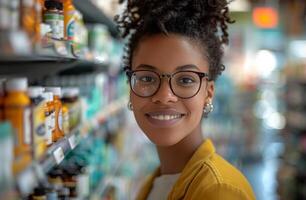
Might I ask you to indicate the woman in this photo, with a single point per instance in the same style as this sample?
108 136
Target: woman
172 60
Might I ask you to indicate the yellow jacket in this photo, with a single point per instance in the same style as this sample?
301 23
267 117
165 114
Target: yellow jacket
206 176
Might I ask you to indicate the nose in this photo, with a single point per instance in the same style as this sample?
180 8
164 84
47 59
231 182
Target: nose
164 95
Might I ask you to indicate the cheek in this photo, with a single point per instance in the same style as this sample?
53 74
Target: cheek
195 109
137 102
195 106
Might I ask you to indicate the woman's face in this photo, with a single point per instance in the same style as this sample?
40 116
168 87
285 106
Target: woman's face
165 118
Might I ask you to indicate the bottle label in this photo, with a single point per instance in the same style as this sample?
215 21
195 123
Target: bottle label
27 125
49 128
70 30
60 119
52 121
70 26
74 114
65 123
61 26
39 129
39 120
53 19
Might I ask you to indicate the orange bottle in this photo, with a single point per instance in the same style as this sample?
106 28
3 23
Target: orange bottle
17 112
49 117
69 19
57 132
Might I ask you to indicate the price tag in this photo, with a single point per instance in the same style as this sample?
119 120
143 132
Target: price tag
72 141
59 155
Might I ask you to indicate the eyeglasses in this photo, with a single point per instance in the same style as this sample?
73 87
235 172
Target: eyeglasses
183 84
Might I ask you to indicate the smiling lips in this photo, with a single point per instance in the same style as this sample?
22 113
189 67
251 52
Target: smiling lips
164 118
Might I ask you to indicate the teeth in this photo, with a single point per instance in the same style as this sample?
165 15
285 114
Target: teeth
165 117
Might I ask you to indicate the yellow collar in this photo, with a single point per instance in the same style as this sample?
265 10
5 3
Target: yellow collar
191 169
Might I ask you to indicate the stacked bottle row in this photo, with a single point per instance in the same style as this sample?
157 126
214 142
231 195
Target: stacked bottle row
291 174
79 175
33 16
39 23
34 118
39 116
99 89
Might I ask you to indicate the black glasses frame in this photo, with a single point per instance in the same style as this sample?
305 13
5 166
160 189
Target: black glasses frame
201 75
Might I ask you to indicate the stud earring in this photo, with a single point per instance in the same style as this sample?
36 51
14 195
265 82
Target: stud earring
130 106
209 107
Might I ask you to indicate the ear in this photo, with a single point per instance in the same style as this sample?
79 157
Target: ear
210 91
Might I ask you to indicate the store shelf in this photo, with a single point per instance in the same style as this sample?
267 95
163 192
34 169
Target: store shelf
45 60
92 14
36 173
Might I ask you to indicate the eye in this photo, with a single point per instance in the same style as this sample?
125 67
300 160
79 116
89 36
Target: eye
146 79
185 81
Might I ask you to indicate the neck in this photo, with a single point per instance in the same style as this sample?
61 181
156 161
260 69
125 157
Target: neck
174 158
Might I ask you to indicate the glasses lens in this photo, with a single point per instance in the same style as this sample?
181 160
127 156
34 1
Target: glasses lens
144 83
185 84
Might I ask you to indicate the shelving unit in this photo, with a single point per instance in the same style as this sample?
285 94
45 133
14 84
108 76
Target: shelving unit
58 56
93 15
57 152
18 57
51 58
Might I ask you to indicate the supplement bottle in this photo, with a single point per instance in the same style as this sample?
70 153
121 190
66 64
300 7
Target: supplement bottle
38 121
17 112
57 132
69 19
49 116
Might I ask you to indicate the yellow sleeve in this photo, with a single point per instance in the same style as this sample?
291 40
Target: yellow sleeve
221 192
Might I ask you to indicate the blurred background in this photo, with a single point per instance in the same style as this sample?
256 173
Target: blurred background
66 133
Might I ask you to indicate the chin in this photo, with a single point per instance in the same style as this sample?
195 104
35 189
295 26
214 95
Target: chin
164 138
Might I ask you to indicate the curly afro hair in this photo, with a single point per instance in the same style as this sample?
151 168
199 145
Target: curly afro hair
203 21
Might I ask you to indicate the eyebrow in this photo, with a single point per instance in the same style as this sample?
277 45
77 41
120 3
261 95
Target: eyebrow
150 67
183 67
187 67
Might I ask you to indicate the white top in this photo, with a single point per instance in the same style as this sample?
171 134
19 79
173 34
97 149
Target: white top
162 186
48 96
35 91
17 84
70 92
55 90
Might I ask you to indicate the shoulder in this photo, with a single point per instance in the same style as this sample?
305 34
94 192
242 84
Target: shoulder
218 178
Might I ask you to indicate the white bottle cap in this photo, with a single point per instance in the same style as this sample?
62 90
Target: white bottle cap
71 92
35 91
17 84
48 96
55 90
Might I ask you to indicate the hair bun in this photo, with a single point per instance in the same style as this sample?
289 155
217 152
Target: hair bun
213 13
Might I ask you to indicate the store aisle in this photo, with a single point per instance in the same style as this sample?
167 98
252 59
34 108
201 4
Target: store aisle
262 173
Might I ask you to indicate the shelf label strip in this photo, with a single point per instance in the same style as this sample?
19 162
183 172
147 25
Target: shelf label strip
72 141
59 155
